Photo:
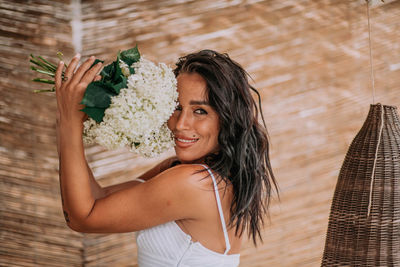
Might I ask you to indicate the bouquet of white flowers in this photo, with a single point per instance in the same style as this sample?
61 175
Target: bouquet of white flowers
130 105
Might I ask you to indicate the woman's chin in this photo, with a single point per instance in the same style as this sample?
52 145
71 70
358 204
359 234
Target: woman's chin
188 158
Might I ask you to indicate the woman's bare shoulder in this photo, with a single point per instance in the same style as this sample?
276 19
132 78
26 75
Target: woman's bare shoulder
159 168
194 177
185 172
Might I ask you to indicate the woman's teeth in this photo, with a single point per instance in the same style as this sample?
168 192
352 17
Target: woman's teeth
186 140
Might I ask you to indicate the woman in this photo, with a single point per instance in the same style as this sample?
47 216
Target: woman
192 209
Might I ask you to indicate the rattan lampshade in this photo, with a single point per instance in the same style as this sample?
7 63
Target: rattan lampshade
364 223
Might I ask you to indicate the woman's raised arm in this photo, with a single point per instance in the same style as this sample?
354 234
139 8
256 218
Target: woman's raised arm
91 208
78 191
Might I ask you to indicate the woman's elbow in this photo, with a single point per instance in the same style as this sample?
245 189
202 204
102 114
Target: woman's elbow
83 226
76 226
78 221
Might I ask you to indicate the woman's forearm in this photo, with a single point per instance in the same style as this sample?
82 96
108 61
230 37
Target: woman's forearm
75 179
78 189
97 190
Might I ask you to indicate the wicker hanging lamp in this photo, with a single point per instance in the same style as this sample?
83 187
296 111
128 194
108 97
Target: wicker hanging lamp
364 222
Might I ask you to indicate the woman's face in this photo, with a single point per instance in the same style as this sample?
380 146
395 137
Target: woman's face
194 123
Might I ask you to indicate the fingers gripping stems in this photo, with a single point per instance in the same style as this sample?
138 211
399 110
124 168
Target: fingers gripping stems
71 89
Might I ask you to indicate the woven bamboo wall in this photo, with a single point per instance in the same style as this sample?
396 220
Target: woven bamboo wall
308 58
33 231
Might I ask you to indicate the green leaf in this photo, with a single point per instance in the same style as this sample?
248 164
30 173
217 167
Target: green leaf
95 113
118 86
96 61
117 72
107 72
130 56
112 73
98 94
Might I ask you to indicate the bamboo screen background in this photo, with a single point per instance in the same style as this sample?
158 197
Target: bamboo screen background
309 59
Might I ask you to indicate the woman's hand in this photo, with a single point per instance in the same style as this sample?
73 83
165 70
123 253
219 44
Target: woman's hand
70 90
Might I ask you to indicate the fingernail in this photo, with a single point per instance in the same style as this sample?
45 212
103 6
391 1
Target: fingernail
61 63
78 55
92 57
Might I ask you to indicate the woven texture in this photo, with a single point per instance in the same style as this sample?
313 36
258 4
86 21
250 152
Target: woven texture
353 237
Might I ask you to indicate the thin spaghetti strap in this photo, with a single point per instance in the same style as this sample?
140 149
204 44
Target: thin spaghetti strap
221 213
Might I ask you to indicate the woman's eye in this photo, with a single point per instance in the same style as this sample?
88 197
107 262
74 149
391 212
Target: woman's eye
200 111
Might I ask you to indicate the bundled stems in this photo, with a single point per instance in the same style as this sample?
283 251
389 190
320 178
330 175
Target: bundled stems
45 67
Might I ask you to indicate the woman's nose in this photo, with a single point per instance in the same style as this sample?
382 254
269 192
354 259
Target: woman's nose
183 121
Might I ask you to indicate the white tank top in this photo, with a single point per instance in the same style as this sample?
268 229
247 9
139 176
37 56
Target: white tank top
167 245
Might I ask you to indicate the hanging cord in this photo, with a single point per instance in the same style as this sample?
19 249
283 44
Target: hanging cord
382 111
376 156
370 55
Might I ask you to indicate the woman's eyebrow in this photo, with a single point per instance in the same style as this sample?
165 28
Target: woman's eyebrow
199 102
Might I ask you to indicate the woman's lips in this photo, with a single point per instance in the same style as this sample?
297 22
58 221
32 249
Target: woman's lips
185 142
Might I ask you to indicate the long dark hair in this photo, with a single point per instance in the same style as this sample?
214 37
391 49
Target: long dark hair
243 158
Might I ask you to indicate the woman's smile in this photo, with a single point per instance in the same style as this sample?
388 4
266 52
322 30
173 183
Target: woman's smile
185 141
195 123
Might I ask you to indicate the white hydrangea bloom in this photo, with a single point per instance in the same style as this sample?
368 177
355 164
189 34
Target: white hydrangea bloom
137 116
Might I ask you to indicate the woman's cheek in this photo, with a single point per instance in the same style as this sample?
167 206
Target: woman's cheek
170 122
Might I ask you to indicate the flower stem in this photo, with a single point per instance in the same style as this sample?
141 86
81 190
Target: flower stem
39 80
60 56
51 74
42 64
45 90
48 63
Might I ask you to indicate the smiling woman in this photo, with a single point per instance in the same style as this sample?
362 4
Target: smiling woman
242 158
192 209
195 123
